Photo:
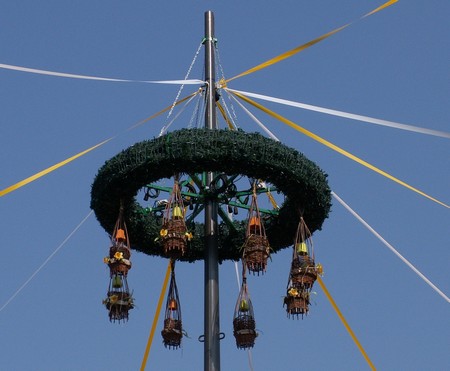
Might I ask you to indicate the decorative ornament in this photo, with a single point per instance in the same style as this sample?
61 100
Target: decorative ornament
119 300
174 234
173 329
303 273
244 318
192 151
256 246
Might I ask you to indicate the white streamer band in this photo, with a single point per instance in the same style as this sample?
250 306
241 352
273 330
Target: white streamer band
347 115
253 117
45 262
86 77
390 247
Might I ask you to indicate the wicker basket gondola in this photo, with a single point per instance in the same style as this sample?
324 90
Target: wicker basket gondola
244 331
118 305
303 272
175 241
172 333
296 305
256 253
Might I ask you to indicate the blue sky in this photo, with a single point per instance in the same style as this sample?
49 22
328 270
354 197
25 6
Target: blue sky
393 65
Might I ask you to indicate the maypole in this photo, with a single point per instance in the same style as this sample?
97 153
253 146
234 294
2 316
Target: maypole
211 309
215 172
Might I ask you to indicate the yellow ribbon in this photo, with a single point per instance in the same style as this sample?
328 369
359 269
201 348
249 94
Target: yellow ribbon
225 117
49 169
155 319
300 48
344 321
335 147
70 159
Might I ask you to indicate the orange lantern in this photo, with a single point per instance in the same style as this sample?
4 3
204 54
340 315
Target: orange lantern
173 304
120 235
255 225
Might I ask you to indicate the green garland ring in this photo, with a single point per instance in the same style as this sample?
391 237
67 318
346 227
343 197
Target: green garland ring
191 151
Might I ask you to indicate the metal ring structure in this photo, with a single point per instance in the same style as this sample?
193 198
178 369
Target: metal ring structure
194 151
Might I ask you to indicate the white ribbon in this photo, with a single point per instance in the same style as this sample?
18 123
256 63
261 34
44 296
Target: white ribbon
260 124
347 115
390 247
86 77
45 262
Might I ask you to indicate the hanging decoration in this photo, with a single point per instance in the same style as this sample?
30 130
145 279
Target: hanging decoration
244 318
173 330
190 151
119 300
303 273
256 246
174 234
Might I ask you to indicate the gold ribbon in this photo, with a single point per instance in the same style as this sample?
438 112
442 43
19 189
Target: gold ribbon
225 117
344 321
336 148
70 159
300 48
155 318
49 169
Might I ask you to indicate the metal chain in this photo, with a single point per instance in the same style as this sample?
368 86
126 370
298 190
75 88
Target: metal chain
185 78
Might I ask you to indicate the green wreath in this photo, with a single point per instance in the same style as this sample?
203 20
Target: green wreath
191 151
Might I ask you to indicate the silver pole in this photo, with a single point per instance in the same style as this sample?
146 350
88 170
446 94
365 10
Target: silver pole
211 309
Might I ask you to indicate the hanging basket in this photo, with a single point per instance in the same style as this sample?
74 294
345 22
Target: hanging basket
174 233
244 331
119 300
256 246
118 260
118 305
172 333
174 238
256 253
296 305
119 248
230 152
303 272
119 267
244 317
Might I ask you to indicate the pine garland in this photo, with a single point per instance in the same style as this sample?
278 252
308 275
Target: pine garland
190 151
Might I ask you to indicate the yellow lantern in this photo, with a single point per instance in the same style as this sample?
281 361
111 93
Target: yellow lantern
302 249
243 306
177 213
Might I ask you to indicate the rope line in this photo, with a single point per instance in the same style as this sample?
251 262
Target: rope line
166 127
156 317
45 261
185 79
347 115
344 321
337 149
389 246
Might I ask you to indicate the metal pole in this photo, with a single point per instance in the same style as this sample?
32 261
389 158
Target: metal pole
211 309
